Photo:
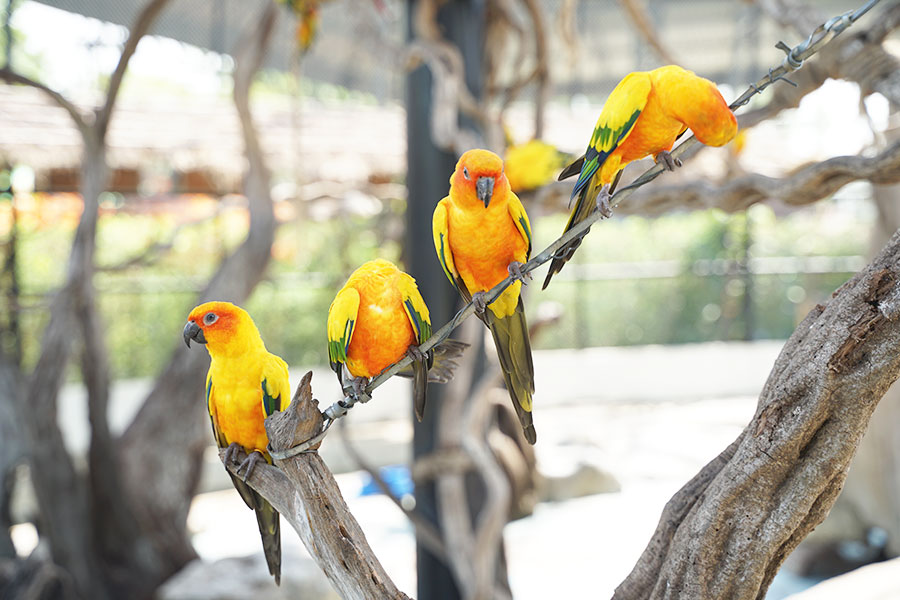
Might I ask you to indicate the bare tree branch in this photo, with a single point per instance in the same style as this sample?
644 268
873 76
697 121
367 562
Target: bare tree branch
778 480
78 118
425 531
637 12
138 30
804 186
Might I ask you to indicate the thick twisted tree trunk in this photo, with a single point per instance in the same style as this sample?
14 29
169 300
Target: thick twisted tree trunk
727 531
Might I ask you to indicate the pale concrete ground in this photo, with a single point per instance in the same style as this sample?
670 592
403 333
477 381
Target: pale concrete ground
657 415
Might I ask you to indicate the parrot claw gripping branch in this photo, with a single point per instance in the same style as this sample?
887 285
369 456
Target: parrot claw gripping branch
794 58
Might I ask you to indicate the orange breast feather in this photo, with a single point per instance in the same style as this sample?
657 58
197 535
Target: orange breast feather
483 243
382 333
239 414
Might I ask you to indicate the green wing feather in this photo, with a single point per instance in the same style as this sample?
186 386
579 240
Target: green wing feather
615 124
520 218
276 387
341 320
441 232
417 312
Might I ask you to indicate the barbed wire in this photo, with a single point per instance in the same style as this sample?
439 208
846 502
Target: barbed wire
794 59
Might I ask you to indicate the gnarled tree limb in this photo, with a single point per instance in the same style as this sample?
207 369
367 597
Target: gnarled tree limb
780 477
304 491
804 186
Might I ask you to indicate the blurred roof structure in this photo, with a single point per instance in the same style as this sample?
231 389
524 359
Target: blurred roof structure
197 145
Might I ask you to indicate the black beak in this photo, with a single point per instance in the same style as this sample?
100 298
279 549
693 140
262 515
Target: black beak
192 331
484 189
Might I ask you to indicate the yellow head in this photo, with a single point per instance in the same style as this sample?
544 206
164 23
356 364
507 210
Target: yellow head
479 177
223 327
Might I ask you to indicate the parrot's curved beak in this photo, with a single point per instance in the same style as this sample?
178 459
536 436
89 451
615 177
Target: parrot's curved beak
484 189
192 331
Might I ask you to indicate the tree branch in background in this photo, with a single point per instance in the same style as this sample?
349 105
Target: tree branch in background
93 544
804 186
173 475
643 24
858 57
137 31
425 531
473 552
306 494
78 118
780 477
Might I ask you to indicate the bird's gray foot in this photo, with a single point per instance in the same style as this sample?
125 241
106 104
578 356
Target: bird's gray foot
358 387
516 272
231 452
250 463
669 162
603 204
479 299
414 353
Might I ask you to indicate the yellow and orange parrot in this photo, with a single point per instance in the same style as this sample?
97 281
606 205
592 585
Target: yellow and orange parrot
643 116
532 165
376 319
244 385
482 234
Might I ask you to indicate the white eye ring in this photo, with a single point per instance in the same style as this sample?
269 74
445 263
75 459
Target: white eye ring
210 318
466 173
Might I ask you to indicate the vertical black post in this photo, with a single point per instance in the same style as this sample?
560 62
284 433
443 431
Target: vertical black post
429 170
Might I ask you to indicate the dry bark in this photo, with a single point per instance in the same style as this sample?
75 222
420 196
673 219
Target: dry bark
725 534
306 494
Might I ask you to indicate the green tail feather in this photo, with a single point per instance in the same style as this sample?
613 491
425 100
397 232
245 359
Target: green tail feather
514 350
269 525
420 384
583 209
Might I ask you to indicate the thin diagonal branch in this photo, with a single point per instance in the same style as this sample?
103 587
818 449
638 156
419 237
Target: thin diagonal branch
75 113
138 30
803 186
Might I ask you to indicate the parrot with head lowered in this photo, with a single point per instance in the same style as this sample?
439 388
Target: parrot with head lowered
482 234
643 116
244 385
376 319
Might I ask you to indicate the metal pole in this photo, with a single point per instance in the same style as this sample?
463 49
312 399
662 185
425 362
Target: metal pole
429 169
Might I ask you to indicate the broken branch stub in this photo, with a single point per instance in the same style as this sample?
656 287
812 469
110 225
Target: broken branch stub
306 494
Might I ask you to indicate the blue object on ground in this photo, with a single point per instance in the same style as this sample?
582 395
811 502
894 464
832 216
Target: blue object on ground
396 477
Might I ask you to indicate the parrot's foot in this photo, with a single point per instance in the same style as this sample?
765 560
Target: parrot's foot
667 160
479 299
516 272
414 353
250 463
603 204
358 389
231 452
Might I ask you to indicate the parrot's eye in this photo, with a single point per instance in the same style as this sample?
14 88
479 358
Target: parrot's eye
466 173
210 318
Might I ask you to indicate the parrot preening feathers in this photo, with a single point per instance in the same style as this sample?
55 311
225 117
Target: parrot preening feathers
375 320
482 234
643 116
244 385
